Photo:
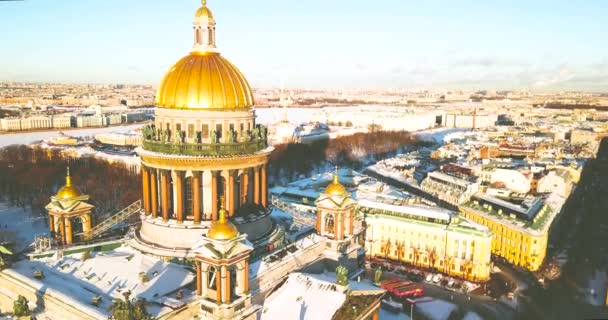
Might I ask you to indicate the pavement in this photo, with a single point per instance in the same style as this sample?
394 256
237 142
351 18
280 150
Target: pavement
485 306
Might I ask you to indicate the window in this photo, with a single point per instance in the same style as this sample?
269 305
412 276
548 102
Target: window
218 130
232 127
190 131
242 127
205 132
178 127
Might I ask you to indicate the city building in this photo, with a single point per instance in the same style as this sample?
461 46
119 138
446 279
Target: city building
452 188
520 224
469 121
427 237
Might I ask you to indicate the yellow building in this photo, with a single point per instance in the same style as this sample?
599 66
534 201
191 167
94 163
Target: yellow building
427 237
519 237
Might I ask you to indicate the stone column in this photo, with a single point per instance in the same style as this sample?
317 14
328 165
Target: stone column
206 195
164 183
230 202
264 186
69 236
87 226
342 225
256 185
214 195
205 279
352 222
52 223
246 278
179 196
145 178
336 223
153 193
199 279
61 230
196 196
244 187
218 284
226 277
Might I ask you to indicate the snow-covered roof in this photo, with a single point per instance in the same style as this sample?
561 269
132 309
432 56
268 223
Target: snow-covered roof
428 212
449 179
304 297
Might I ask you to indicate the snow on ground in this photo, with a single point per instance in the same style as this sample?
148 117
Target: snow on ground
294 115
434 309
107 274
303 297
24 223
31 137
436 135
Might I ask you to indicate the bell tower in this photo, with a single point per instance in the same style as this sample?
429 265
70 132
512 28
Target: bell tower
66 208
222 272
335 211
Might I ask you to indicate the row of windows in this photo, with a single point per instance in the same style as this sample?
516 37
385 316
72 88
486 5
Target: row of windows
205 129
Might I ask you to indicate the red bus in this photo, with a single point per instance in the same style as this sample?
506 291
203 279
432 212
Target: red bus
389 281
409 291
391 286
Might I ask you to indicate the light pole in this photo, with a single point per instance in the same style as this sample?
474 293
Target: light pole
412 303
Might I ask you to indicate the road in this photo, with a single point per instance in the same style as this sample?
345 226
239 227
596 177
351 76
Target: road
486 307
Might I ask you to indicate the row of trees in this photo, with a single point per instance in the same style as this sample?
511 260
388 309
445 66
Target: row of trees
289 161
29 176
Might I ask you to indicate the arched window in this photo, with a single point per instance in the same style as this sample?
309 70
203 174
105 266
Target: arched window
329 224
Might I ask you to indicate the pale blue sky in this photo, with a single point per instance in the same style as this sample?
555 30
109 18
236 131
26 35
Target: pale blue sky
316 43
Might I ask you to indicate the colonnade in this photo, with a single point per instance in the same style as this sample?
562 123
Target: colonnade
62 226
194 195
337 224
216 281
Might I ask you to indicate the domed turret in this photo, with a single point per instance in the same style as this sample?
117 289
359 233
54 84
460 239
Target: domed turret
222 229
336 188
204 80
68 191
203 12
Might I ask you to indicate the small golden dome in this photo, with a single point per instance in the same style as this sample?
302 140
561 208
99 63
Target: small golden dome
204 81
336 188
68 191
204 12
222 229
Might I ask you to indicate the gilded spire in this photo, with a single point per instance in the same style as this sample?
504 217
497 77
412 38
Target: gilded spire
68 178
222 218
336 176
204 2
68 191
336 188
222 229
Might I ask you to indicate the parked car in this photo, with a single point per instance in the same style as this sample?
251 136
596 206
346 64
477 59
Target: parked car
451 282
437 278
429 277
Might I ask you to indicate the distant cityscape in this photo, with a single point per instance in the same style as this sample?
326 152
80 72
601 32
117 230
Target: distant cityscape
205 198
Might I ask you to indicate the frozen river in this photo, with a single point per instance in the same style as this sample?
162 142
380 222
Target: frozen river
264 116
31 137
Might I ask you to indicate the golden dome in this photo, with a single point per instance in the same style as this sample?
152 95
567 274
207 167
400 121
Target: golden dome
204 80
68 191
222 229
204 12
336 188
